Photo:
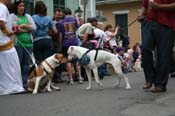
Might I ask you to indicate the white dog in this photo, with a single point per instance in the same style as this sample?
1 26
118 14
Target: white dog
101 58
41 76
137 65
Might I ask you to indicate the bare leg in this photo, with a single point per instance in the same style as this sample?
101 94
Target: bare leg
69 69
79 73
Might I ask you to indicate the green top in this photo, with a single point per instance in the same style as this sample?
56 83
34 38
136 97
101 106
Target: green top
23 38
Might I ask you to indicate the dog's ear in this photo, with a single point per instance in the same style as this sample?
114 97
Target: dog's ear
64 60
72 48
59 57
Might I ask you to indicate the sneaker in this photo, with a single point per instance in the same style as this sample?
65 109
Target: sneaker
71 81
80 81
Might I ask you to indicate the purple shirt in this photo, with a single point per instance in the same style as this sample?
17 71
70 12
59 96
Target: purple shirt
68 27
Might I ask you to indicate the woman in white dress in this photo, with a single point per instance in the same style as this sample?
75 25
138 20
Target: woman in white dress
10 73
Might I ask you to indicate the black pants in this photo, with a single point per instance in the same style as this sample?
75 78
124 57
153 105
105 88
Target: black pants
172 70
159 38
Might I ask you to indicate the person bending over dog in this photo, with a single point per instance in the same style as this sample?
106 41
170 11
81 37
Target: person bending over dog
67 32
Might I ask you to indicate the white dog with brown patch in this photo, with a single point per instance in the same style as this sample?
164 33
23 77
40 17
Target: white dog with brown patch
40 77
137 65
97 58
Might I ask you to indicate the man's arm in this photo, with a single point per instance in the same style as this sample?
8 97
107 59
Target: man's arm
85 38
60 38
143 12
142 15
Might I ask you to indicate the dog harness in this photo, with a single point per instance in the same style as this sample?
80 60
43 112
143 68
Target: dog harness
85 59
49 67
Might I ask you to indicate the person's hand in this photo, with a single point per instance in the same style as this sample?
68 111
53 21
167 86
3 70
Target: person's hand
23 26
140 18
154 5
15 29
117 27
77 15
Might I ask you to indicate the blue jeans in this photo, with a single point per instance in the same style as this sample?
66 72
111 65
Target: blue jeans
43 48
103 69
24 59
158 38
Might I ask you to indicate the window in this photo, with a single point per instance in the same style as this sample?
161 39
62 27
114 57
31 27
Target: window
29 4
122 21
59 4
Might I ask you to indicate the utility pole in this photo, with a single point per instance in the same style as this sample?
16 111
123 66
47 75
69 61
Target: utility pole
93 8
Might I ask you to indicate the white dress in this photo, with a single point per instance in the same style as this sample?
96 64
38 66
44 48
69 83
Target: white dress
10 72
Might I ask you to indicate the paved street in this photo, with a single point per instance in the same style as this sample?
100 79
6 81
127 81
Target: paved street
74 100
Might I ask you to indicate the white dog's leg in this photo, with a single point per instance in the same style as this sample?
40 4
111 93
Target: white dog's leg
88 72
49 86
37 81
54 87
118 70
95 71
127 82
117 84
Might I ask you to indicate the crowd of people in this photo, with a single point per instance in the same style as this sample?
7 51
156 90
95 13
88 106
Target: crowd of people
41 36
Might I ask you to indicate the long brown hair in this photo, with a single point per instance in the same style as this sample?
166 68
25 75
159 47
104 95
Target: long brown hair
107 27
40 8
15 7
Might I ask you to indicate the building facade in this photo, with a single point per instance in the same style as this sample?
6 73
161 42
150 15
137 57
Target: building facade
122 13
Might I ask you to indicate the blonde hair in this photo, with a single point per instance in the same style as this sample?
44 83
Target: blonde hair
100 25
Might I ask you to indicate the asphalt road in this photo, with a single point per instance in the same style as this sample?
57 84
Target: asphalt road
74 100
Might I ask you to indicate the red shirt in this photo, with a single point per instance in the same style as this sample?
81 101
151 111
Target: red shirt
162 17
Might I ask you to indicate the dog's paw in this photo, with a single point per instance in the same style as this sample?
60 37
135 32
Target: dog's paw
88 88
117 85
57 88
100 85
128 87
49 89
34 92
